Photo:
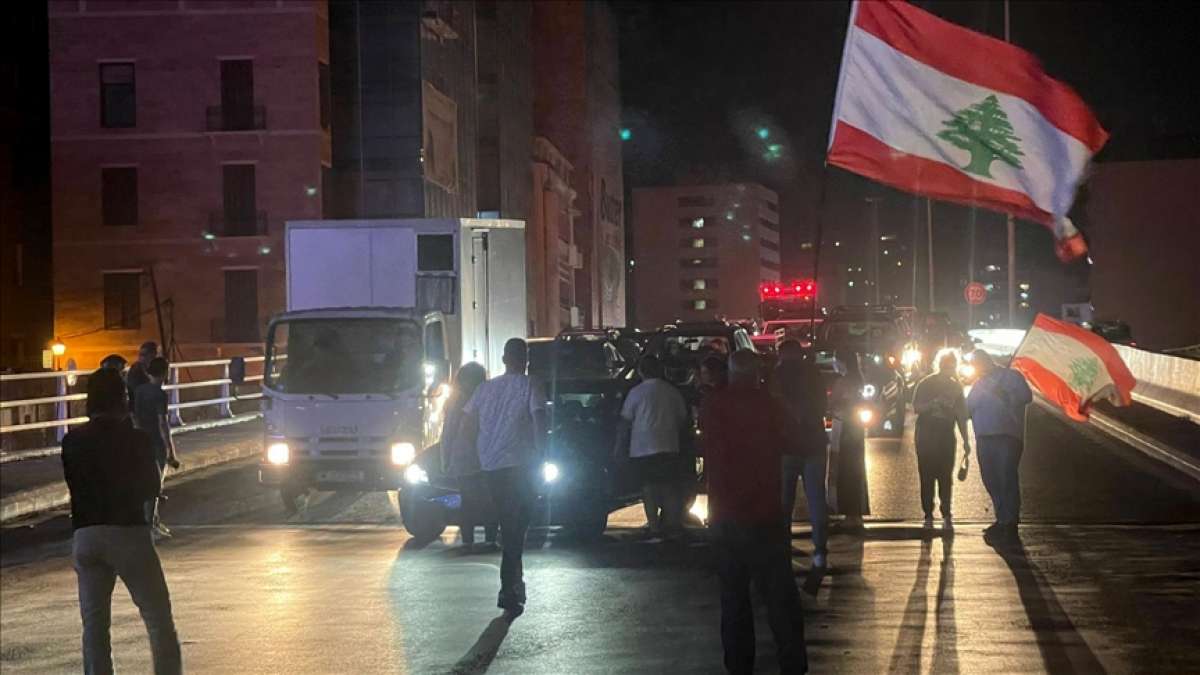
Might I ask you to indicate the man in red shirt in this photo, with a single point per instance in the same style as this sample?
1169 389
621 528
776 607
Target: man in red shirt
745 434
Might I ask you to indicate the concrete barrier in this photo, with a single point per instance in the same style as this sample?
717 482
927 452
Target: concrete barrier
1169 383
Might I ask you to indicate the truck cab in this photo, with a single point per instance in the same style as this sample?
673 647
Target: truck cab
350 397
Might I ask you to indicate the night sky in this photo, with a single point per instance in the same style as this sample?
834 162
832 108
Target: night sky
699 78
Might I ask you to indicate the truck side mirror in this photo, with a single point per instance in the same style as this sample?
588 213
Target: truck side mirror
237 370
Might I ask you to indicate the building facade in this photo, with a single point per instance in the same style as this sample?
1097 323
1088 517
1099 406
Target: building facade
577 108
184 134
700 252
552 257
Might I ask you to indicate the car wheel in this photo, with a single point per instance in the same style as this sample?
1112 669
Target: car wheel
425 521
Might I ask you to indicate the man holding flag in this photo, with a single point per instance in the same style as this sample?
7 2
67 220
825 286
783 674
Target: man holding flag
996 406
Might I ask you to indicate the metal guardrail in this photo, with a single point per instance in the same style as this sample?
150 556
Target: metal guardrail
65 379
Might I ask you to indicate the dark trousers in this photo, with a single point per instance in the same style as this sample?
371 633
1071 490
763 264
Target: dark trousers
935 462
999 462
511 492
477 508
760 555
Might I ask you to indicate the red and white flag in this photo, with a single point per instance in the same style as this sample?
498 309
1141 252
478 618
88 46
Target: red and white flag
1072 366
932 108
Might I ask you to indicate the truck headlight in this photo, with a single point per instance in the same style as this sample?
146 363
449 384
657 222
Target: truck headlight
549 472
865 416
415 475
278 453
403 453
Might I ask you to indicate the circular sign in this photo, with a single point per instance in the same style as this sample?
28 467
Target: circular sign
975 293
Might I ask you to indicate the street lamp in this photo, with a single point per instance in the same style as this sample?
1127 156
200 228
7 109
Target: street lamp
57 348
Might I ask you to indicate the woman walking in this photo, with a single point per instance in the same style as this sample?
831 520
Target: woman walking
460 460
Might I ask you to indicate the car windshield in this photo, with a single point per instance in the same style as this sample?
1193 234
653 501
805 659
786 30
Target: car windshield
344 356
859 334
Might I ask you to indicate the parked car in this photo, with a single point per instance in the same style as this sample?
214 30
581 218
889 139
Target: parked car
881 336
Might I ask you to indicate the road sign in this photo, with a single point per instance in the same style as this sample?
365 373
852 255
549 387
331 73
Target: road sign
975 293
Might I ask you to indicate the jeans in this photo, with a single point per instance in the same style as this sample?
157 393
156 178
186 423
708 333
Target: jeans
935 462
812 469
663 491
758 554
512 493
477 508
101 553
151 507
999 462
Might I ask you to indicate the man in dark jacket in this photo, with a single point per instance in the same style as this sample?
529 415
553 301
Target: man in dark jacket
799 389
745 434
110 473
137 375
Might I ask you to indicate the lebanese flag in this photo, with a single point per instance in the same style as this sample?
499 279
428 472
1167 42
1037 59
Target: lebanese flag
932 108
1072 366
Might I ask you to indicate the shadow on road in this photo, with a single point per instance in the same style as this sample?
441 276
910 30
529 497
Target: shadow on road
1063 648
479 657
906 655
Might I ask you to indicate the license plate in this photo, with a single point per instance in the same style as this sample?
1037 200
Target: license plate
340 477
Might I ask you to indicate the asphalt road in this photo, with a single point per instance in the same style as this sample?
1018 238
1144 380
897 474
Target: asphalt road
1107 580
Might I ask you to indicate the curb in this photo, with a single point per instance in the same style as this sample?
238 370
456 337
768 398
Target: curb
1148 446
55 495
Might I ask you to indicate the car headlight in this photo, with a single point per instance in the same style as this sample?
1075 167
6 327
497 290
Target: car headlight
966 371
865 415
403 453
877 359
910 357
278 453
415 475
869 391
549 472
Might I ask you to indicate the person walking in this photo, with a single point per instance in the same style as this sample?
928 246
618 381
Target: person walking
940 407
798 388
137 375
150 415
745 433
460 460
652 419
506 417
850 443
110 472
996 406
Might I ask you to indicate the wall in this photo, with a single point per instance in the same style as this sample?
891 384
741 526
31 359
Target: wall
178 160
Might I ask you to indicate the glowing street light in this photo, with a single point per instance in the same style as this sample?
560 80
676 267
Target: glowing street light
763 133
58 348
626 134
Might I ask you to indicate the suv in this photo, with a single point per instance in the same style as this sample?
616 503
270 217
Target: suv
882 337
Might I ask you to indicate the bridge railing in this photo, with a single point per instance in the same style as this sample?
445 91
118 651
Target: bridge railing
34 425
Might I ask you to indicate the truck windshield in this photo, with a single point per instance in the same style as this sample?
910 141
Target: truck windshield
860 334
344 356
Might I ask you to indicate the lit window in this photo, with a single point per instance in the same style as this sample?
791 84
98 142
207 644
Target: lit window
699 285
1024 285
837 243
1024 305
885 251
698 223
850 284
899 263
699 304
697 243
806 246
990 287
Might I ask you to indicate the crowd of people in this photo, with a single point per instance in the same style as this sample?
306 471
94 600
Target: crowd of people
761 433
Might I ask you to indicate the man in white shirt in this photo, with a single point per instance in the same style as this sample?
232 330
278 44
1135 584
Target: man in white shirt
652 419
507 418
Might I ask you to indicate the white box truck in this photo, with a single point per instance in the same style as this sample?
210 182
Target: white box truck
379 315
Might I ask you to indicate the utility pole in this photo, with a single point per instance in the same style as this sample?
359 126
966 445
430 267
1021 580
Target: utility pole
874 202
929 238
1012 229
916 225
971 265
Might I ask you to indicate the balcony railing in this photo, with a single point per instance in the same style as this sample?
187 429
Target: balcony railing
221 224
239 118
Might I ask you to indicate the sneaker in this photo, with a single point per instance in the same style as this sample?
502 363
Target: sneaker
162 529
948 524
928 521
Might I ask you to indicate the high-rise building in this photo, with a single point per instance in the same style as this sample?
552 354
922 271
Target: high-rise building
577 109
183 135
403 77
701 251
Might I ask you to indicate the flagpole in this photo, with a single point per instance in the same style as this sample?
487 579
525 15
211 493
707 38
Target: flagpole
916 232
1012 228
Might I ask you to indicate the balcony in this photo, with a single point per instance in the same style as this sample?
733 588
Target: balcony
222 224
239 118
